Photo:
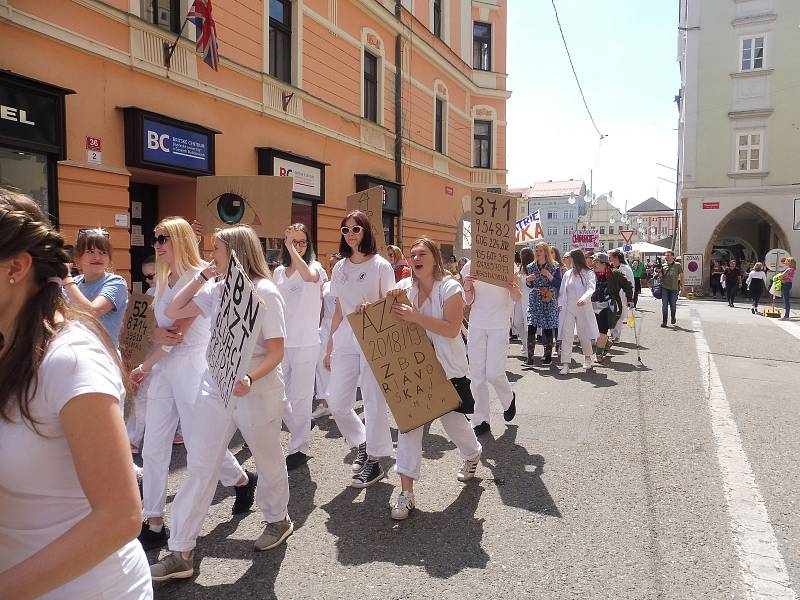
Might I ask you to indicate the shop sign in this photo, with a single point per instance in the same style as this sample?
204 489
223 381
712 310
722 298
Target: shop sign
710 205
307 179
174 146
31 114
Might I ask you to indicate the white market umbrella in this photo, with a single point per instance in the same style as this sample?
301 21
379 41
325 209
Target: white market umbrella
645 248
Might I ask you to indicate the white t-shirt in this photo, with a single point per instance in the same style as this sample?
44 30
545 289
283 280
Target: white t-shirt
40 494
354 284
329 306
303 303
492 307
198 334
451 352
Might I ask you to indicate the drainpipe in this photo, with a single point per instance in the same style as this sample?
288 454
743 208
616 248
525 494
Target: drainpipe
398 117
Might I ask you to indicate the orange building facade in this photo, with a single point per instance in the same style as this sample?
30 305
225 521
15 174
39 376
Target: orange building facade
340 94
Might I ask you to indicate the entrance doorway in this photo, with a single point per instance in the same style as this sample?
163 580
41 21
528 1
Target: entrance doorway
144 217
746 234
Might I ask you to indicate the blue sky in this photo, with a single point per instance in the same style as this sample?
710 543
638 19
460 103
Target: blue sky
625 55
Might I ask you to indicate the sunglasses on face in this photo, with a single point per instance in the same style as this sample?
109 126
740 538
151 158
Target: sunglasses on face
356 229
88 230
150 277
160 239
300 243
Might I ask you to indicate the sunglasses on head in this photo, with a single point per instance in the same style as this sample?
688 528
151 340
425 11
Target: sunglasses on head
354 229
160 239
89 230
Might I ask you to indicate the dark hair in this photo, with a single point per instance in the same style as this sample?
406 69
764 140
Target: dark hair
150 260
367 245
618 255
309 255
526 257
92 239
25 229
578 262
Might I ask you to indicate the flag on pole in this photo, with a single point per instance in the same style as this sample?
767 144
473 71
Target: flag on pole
200 15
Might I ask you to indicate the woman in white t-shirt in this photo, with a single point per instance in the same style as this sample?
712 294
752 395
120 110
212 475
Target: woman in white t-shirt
177 373
323 374
361 278
437 305
257 408
299 279
68 521
487 344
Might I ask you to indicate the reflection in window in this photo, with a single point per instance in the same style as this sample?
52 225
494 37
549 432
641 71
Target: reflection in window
25 172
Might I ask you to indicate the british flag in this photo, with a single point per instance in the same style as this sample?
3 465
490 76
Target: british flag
200 15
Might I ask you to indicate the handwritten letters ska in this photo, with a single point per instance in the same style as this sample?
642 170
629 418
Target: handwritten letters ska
236 330
404 363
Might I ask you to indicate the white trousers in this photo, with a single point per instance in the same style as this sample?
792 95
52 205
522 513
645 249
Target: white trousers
458 429
567 334
348 367
258 416
322 376
173 395
138 414
487 350
299 366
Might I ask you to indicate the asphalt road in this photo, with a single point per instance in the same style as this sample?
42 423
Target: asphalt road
606 485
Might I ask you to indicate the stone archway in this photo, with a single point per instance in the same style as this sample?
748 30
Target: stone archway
753 224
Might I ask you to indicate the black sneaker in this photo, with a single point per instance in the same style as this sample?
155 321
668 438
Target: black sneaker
481 428
673 321
664 324
509 414
245 494
529 362
361 458
296 459
150 540
371 473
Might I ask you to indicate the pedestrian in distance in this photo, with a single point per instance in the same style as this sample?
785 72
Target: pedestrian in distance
544 281
671 273
299 280
437 305
399 263
756 284
487 345
70 507
787 278
638 272
611 286
519 317
618 263
322 374
362 277
526 258
716 277
731 281
575 311
745 269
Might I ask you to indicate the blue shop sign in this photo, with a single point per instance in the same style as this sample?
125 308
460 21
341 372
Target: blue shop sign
174 146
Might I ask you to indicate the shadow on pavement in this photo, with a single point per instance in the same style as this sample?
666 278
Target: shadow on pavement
443 543
519 485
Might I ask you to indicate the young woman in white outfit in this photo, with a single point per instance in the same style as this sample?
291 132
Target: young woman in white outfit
299 280
487 344
68 520
258 406
323 374
437 305
176 379
361 278
575 311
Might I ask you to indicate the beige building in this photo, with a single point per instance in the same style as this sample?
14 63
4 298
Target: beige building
739 127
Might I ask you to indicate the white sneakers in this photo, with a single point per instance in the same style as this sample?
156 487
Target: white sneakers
467 470
403 506
587 363
564 369
322 411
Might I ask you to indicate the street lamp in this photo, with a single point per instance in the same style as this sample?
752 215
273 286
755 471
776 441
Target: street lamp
571 199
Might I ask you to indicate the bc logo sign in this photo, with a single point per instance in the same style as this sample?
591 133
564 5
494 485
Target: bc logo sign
175 146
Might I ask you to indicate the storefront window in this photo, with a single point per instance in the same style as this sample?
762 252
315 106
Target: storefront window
25 172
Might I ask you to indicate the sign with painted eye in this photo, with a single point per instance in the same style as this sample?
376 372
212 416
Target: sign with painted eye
263 202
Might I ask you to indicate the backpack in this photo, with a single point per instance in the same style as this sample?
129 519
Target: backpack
656 288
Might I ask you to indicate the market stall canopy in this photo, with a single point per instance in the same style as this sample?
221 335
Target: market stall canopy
645 248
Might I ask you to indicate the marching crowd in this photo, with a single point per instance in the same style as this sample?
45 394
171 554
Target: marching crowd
75 526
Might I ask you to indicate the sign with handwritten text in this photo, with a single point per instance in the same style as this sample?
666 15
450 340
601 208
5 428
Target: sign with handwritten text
371 202
493 233
139 325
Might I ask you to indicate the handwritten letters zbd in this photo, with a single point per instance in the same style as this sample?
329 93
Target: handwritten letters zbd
404 363
236 330
493 232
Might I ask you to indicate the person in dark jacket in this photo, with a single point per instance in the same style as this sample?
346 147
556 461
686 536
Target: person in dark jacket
606 301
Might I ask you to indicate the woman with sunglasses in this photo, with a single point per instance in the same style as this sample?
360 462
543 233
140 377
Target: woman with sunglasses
96 290
176 378
361 278
299 280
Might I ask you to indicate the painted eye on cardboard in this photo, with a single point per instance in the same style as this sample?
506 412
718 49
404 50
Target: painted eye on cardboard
232 209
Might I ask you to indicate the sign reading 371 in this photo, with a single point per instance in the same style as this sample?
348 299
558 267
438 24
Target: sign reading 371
493 232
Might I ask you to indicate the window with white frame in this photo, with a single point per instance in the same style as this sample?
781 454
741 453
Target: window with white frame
752 53
610 229
602 230
567 214
565 246
440 125
481 46
748 151
550 214
566 230
280 39
437 18
482 144
371 63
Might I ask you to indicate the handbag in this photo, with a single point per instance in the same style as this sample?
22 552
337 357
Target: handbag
656 288
464 391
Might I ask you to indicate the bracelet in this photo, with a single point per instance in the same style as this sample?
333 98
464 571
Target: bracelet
249 379
141 369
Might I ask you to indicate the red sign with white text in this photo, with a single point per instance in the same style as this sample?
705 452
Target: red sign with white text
710 205
93 143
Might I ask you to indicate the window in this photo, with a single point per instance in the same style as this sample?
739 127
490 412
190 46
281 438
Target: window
663 231
391 204
437 18
566 230
550 215
610 229
280 39
482 144
752 53
602 230
481 46
439 125
28 173
565 246
370 87
748 156
567 214
163 13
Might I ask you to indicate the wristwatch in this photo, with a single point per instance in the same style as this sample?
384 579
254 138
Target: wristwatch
249 379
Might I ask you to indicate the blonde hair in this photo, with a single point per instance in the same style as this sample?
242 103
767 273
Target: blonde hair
548 253
439 271
184 248
244 241
790 261
398 253
758 266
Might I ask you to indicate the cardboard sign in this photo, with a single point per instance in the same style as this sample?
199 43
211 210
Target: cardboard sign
371 202
236 330
493 236
138 326
693 270
586 239
261 201
529 228
404 363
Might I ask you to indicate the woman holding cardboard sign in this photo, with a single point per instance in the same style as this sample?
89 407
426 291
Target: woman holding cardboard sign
361 278
299 279
437 305
258 408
